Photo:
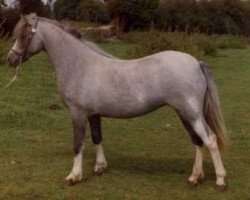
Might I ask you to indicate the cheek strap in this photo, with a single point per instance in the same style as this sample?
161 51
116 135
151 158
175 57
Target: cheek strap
20 54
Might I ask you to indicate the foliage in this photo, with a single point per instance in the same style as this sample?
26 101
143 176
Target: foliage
155 41
195 44
10 17
79 10
95 36
37 6
65 9
229 41
206 16
133 14
92 11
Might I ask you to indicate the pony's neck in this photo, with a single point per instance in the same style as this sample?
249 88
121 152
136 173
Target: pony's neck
63 49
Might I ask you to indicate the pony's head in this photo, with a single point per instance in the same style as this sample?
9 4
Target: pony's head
27 40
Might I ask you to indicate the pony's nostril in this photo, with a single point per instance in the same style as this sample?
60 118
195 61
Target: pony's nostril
9 60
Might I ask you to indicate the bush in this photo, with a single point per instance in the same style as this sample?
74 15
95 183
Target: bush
229 41
152 42
195 44
204 44
95 36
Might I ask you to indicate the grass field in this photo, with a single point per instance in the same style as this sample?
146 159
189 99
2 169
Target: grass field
149 157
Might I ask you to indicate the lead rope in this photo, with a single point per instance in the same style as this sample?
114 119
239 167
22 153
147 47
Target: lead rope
12 80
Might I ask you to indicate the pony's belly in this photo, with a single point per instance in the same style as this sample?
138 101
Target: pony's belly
127 112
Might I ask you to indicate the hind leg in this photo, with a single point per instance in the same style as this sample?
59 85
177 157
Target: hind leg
96 134
197 172
209 139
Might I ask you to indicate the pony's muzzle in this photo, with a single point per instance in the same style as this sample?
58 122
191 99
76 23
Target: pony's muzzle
13 59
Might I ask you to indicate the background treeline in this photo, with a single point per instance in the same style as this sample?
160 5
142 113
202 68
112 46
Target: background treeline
196 27
205 16
82 10
214 16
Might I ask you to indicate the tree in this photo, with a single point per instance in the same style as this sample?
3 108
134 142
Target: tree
206 16
93 11
132 14
29 6
177 15
82 10
65 9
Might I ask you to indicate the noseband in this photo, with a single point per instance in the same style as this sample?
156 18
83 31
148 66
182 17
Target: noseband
21 54
16 52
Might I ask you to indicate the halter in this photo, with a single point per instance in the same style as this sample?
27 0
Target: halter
33 32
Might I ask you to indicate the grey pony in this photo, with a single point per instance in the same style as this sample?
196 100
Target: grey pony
95 84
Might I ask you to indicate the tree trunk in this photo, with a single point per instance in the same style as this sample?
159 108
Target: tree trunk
120 24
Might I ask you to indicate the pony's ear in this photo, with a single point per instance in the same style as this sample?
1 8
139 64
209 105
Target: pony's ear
31 19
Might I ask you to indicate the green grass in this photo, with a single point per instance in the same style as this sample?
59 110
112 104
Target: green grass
149 157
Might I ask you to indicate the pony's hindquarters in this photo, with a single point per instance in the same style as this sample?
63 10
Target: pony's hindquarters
203 120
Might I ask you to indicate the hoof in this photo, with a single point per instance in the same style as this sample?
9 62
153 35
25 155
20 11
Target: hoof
99 169
69 182
192 184
72 179
99 173
221 188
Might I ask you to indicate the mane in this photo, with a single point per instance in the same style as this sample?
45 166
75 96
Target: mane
72 31
79 36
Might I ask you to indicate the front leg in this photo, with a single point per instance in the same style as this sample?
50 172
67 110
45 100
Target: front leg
79 123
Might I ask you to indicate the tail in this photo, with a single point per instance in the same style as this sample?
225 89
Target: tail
212 110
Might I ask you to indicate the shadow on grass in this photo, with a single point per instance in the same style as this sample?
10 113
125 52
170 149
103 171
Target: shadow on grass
156 166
